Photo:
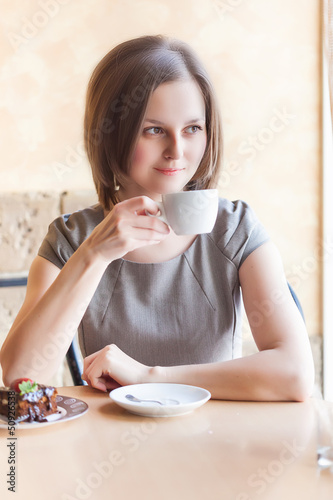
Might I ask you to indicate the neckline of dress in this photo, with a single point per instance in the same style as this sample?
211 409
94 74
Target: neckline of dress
100 209
165 262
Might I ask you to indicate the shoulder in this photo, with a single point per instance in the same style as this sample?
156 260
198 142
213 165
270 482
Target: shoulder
67 232
232 215
77 226
237 231
235 209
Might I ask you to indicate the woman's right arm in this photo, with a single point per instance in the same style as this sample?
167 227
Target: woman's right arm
45 326
56 300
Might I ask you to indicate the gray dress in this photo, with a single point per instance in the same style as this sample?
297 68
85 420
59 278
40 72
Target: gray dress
183 311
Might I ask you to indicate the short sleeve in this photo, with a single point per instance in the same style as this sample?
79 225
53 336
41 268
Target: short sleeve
67 232
240 231
56 247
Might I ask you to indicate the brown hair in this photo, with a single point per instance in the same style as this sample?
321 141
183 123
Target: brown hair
117 98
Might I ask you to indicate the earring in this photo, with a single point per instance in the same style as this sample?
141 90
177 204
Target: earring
116 185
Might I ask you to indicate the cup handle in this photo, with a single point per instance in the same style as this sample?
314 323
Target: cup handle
162 215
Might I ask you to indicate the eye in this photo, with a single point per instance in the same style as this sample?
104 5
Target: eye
193 129
153 131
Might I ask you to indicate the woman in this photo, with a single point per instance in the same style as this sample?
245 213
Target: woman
152 306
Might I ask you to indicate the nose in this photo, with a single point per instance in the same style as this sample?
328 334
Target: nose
174 148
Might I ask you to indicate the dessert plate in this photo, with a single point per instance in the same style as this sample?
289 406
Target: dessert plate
68 409
160 400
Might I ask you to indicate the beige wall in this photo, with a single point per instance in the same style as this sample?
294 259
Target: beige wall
264 58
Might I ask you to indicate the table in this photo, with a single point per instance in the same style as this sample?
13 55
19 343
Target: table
224 450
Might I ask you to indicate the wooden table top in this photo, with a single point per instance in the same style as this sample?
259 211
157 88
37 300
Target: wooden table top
224 450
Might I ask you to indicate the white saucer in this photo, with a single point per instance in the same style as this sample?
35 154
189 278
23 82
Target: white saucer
177 399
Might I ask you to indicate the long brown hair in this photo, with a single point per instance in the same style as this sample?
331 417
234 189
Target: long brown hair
117 98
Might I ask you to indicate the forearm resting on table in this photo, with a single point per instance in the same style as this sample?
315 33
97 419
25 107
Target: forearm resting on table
38 341
264 376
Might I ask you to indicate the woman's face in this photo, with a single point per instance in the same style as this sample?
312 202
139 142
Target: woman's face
172 140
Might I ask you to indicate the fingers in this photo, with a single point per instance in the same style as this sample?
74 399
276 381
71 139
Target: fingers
87 363
140 204
134 212
123 230
99 382
97 371
111 384
142 233
111 368
88 360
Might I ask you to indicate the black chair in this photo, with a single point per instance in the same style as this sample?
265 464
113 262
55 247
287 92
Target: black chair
73 356
297 302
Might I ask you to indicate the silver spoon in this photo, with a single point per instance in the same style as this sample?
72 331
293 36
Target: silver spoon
137 400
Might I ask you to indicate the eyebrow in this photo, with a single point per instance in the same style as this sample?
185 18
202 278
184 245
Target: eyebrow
157 122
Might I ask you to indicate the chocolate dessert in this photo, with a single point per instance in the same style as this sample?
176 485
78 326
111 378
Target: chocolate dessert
27 401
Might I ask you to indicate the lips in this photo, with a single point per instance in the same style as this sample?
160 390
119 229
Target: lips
169 171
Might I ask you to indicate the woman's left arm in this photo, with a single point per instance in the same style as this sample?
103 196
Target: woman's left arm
283 368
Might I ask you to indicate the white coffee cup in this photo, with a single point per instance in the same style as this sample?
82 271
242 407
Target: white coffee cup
189 212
